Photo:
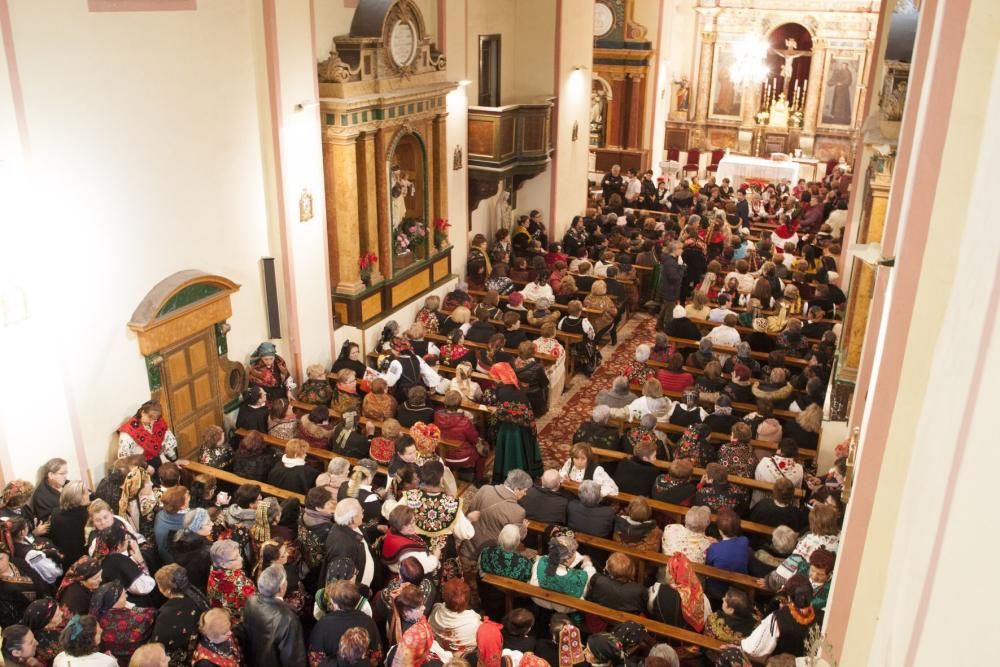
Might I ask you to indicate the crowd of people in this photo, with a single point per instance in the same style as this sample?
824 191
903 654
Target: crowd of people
374 553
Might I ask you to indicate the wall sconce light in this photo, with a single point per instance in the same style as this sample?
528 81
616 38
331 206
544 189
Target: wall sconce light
465 82
308 104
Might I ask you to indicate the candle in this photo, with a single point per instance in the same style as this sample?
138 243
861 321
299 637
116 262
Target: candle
805 86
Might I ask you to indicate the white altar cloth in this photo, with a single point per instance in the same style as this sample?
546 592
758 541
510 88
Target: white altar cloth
738 168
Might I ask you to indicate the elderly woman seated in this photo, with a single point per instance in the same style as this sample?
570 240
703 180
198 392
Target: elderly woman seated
674 377
689 539
455 624
604 320
581 466
457 319
597 431
503 559
638 371
617 397
586 514
562 569
379 404
636 527
823 533
316 389
430 315
291 472
228 585
617 588
652 402
345 392
421 346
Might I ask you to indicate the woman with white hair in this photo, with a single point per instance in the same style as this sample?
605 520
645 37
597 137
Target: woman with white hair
228 585
503 559
638 370
689 539
598 432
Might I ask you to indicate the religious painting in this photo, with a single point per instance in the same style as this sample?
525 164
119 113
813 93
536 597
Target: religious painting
726 94
841 88
831 148
724 138
893 96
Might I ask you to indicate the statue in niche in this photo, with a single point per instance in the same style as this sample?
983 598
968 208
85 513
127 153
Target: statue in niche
505 212
790 53
400 190
596 111
683 95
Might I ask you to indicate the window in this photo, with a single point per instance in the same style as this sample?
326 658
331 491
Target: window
489 70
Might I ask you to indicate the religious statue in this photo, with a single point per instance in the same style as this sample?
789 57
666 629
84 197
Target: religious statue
456 159
893 107
790 53
596 111
400 190
504 211
683 95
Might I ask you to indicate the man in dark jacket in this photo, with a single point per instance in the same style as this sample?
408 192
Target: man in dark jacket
742 208
273 629
671 276
544 502
346 541
637 474
587 515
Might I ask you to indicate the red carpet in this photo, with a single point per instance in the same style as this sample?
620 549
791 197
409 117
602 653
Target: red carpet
557 427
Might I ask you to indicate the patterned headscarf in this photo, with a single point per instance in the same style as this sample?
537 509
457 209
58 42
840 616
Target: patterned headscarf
425 437
529 659
731 657
79 571
570 646
489 640
688 587
133 483
18 488
606 649
261 529
39 613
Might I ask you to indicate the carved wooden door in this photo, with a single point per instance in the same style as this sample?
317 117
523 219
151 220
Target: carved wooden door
190 387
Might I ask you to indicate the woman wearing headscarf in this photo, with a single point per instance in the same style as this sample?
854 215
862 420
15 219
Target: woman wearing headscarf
269 371
124 627
253 411
604 650
138 502
45 618
785 630
16 591
191 545
15 501
512 424
349 357
78 585
228 584
680 601
637 370
33 557
176 624
413 634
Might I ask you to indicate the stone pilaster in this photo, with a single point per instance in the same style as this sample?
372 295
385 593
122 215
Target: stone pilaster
810 114
367 202
343 230
705 66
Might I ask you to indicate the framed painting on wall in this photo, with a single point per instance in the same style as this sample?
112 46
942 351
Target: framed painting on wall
726 99
841 89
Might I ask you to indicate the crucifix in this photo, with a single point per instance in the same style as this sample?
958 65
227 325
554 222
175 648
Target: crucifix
790 53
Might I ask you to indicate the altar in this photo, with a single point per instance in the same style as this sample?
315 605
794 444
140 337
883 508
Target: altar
740 168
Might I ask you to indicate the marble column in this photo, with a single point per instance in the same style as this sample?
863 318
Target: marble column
341 175
367 202
705 66
442 165
811 112
863 281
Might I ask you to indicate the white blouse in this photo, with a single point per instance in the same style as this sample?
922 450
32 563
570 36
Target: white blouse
608 486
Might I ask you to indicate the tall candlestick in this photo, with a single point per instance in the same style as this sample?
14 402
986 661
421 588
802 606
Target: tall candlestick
805 85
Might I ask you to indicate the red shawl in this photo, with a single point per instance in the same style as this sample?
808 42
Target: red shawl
395 546
787 230
503 373
688 587
151 442
489 641
414 648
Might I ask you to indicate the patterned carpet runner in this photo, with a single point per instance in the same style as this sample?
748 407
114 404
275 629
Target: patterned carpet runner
557 427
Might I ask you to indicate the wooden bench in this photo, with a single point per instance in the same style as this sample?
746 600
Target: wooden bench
673 510
754 484
231 478
308 407
656 559
687 343
511 587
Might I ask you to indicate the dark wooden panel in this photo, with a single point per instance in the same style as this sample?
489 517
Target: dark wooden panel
506 147
677 138
534 133
481 137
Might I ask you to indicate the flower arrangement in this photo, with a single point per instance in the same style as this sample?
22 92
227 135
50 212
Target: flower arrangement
409 236
367 264
441 227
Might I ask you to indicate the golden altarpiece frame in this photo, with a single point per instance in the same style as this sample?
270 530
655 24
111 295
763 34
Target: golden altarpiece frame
385 160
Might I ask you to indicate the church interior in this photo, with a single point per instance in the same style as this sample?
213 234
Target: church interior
333 231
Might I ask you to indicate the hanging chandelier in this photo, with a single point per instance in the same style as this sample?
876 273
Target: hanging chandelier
748 60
